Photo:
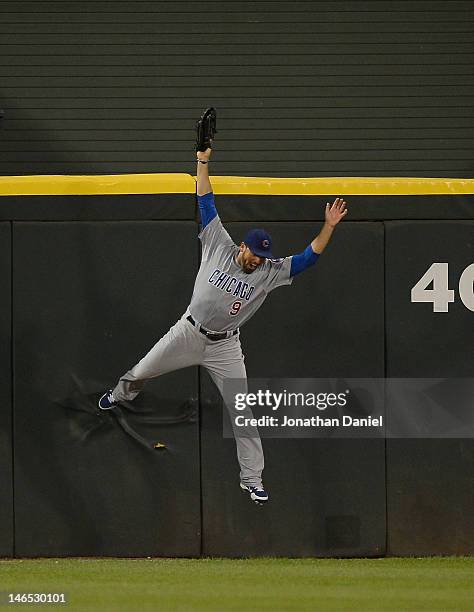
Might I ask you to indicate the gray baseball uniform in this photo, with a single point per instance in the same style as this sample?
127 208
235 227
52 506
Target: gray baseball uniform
224 297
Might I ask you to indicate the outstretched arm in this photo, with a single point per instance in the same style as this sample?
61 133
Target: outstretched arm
203 182
333 215
204 188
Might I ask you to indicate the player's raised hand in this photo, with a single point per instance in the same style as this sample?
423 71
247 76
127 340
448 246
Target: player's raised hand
335 212
204 155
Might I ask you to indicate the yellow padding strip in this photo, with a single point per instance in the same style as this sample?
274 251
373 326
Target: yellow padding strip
96 185
344 186
230 185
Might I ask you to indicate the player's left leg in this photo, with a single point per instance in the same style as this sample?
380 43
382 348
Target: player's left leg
224 360
181 347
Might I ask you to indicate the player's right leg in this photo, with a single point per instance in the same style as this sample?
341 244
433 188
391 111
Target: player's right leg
225 362
181 347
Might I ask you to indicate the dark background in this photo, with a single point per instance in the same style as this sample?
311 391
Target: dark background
82 301
302 88
6 413
429 482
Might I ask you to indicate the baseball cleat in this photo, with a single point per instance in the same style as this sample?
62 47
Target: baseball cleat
107 401
257 494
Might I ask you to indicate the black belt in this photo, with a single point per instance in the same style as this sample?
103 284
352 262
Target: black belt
211 335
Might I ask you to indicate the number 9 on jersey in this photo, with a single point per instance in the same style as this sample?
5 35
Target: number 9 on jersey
235 307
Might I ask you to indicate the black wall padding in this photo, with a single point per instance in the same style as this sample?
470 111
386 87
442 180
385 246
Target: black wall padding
6 476
90 300
171 207
242 208
430 488
362 208
328 496
329 322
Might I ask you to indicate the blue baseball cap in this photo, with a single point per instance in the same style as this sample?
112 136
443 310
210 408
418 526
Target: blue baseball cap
259 242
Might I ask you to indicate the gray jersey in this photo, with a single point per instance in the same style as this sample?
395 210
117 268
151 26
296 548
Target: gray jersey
224 296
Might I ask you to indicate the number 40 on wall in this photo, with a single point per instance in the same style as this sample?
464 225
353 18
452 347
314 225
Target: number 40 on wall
440 295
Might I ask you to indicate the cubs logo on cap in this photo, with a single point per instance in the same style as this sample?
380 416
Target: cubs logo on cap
259 242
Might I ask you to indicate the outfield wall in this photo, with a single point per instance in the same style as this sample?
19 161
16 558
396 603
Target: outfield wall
96 269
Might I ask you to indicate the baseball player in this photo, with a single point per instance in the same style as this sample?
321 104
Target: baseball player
231 284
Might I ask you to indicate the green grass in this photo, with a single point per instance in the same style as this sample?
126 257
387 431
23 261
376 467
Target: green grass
246 584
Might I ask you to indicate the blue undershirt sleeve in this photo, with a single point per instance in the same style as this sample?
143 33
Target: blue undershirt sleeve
303 260
207 208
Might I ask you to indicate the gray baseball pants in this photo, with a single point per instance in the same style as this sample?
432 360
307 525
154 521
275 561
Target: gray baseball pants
185 346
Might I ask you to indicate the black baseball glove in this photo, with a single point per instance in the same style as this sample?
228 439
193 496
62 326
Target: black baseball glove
206 129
